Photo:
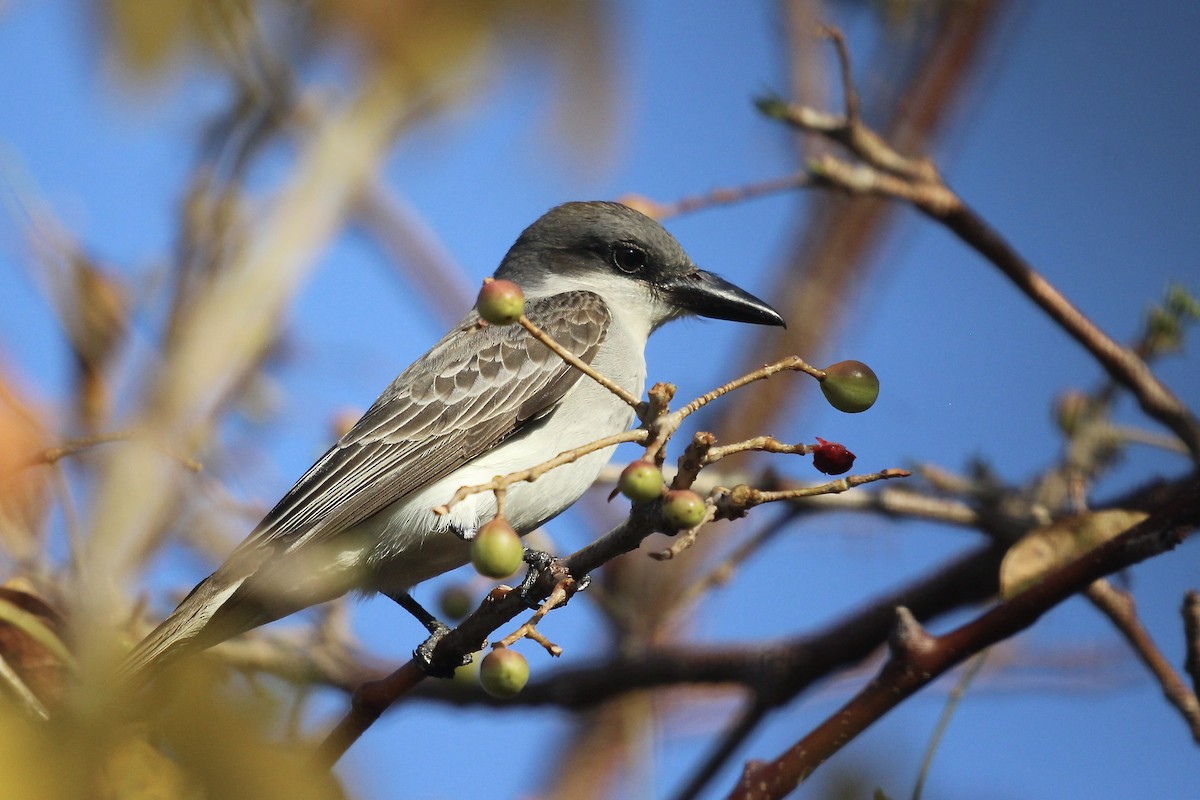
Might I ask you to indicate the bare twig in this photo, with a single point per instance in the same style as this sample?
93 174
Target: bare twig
502 482
1119 607
939 730
887 173
52 455
1191 632
737 194
734 503
569 357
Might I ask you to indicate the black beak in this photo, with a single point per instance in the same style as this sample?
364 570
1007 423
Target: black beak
708 295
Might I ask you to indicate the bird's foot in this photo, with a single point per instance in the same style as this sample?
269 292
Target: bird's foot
423 655
539 563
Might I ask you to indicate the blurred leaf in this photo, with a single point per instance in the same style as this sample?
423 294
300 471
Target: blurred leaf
30 643
185 736
226 744
147 34
1052 546
23 490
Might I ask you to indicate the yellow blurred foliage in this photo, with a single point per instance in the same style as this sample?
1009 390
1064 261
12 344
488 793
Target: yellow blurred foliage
184 737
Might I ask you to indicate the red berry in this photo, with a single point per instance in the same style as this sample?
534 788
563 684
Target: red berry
832 458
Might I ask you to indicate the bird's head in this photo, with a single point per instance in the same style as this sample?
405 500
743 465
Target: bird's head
628 259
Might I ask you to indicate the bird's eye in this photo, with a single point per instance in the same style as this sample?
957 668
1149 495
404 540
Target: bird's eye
628 257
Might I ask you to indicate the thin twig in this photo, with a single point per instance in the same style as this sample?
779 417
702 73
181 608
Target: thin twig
791 363
1119 607
939 730
52 455
887 173
502 482
734 503
1191 631
727 196
765 444
569 357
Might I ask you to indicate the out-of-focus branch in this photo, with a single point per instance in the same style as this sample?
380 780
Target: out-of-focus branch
1191 632
1119 607
716 197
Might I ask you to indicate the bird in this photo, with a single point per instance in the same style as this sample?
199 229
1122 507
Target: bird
485 400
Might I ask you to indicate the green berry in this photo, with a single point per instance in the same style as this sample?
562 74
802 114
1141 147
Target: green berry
850 386
468 673
455 602
683 509
641 481
496 550
503 673
500 302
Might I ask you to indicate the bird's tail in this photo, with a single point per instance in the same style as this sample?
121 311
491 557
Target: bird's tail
209 614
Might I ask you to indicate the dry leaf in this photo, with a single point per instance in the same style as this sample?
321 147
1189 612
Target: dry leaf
1051 546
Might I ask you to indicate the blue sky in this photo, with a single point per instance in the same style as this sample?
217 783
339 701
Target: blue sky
1080 146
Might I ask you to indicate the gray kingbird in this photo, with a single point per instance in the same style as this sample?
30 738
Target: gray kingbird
485 401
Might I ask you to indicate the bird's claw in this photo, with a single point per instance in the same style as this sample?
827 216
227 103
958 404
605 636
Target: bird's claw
423 655
539 562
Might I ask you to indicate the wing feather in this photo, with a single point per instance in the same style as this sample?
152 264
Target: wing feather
473 389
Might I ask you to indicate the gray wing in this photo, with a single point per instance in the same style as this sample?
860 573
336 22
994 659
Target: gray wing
475 388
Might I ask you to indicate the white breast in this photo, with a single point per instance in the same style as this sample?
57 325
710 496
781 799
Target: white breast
407 543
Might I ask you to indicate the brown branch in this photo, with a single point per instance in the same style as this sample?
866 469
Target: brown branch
1122 363
728 196
501 606
1119 607
734 503
777 671
1191 632
52 455
918 658
367 704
